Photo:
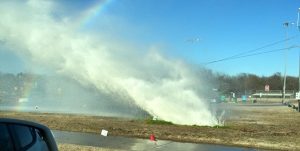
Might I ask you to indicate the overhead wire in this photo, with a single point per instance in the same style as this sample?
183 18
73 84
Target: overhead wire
243 54
259 53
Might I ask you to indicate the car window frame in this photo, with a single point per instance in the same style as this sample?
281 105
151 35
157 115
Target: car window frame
10 133
46 133
16 138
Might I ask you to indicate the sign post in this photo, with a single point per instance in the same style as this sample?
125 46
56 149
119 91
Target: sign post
267 89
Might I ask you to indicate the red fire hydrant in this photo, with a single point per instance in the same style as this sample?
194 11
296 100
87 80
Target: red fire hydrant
152 137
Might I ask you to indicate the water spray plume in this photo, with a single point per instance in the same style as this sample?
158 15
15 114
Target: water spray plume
166 88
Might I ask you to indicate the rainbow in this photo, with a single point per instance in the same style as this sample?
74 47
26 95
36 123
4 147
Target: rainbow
95 10
28 86
25 93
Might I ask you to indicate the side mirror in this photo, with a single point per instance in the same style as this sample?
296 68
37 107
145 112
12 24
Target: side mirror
16 135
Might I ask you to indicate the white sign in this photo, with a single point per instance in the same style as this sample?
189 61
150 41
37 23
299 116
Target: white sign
298 95
267 87
104 132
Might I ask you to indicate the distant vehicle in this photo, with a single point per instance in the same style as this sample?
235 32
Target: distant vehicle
213 101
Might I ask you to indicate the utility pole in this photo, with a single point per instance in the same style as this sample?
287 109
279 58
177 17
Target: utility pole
299 61
298 26
286 24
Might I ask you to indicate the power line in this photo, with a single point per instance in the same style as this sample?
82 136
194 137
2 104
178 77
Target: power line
253 50
264 52
253 54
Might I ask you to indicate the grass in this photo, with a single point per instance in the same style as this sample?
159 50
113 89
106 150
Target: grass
158 122
220 126
216 126
150 120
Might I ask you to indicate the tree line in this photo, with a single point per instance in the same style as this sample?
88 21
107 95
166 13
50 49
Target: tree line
246 83
240 84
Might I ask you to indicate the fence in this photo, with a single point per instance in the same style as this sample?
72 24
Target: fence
273 94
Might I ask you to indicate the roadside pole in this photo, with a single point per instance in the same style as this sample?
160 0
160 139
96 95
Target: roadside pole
298 26
298 105
286 24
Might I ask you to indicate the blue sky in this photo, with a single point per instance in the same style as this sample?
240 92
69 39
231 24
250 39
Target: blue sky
224 27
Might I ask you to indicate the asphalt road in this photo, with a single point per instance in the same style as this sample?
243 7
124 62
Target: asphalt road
133 144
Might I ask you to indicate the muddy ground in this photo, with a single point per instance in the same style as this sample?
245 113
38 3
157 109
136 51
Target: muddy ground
266 126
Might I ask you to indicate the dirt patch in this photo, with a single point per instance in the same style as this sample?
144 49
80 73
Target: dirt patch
267 127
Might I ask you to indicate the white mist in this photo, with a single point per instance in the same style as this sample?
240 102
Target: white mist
163 87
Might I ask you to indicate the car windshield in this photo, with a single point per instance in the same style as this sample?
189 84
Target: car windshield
216 72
